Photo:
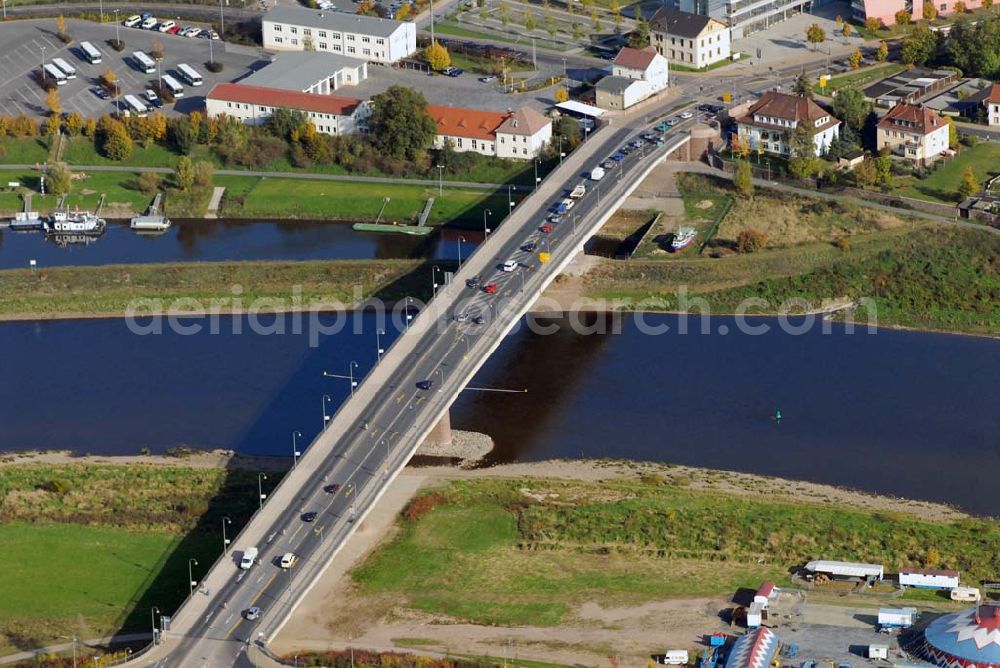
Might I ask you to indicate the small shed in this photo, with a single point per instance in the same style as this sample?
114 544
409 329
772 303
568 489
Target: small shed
851 160
764 594
878 651
755 615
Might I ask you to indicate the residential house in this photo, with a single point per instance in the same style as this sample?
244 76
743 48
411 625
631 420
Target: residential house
331 114
518 134
291 28
692 40
913 132
769 122
992 104
636 74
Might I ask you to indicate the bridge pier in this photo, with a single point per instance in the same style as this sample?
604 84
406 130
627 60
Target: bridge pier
441 433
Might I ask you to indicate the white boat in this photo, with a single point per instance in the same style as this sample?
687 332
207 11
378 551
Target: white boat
75 222
683 238
27 220
147 223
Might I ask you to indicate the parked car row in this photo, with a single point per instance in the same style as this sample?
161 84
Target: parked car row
146 21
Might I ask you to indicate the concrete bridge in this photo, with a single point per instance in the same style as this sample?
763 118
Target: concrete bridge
375 432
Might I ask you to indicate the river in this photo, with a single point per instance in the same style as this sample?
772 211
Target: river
903 413
222 240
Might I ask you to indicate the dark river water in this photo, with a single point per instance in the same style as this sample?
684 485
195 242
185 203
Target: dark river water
903 413
220 240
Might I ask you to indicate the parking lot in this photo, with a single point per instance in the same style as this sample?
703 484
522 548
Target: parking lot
25 43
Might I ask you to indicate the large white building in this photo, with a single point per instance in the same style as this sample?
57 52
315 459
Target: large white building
770 121
692 40
288 28
518 134
320 73
913 132
635 75
331 114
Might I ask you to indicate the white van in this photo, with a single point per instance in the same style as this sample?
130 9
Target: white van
132 21
288 560
249 557
149 23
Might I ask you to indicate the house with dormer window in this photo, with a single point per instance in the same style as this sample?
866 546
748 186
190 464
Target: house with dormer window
769 122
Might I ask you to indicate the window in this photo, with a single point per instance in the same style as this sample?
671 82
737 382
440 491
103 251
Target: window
307 31
350 49
321 33
459 142
474 144
380 41
366 39
524 151
294 30
278 40
229 104
366 52
295 41
350 38
322 45
277 27
336 47
335 35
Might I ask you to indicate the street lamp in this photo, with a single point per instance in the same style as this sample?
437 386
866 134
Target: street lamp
440 169
379 333
211 53
118 37
561 154
510 199
152 616
536 172
101 5
486 230
296 434
350 374
260 488
435 269
461 240
43 64
222 23
225 541
191 562
409 300
326 418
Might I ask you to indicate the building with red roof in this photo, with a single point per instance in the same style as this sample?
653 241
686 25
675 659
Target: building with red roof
992 104
768 123
913 132
331 114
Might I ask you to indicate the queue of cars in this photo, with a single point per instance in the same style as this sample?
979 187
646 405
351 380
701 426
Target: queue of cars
146 21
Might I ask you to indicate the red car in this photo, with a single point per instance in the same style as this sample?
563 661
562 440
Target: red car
545 228
174 30
490 288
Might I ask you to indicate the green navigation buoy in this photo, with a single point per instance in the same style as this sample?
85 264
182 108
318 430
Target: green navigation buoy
777 415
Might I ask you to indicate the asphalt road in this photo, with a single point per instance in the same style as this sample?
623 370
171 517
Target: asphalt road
365 451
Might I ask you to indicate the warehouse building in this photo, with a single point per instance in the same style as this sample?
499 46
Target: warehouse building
925 578
313 72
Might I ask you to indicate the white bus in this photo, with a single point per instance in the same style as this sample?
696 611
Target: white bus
90 52
174 86
54 73
189 74
144 62
135 106
66 68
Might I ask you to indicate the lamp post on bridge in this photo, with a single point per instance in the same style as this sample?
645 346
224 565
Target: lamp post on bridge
260 489
225 541
326 417
191 574
296 435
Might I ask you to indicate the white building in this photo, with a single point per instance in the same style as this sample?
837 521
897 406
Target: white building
913 132
992 103
309 72
769 122
692 40
928 579
288 28
635 75
518 134
253 105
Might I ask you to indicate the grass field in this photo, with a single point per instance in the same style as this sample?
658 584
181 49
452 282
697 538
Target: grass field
119 187
81 151
861 77
109 290
514 552
88 549
942 184
26 151
253 197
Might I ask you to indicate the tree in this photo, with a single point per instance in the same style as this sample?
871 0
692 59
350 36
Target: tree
113 140
59 179
802 160
855 59
903 17
639 38
596 18
74 123
51 126
365 6
883 169
969 185
865 174
405 12
148 182
529 20
569 130
743 179
750 240
562 95
108 79
883 52
872 23
850 106
184 173
400 125
53 102
930 11
815 34
61 30
616 12
952 132
283 122
846 30
919 46
986 4
960 7
803 86
203 173
437 56
577 31
932 558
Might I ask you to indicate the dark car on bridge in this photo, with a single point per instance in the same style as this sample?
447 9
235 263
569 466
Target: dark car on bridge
425 384
529 247
309 517
472 282
332 489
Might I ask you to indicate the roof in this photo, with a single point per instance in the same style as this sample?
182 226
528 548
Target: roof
575 107
273 97
614 84
298 70
525 121
844 568
766 589
993 97
681 24
754 650
635 59
912 117
789 108
930 571
472 123
965 638
315 18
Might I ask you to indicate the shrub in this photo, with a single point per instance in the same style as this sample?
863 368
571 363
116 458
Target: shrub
750 240
59 486
422 505
149 183
116 44
213 66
